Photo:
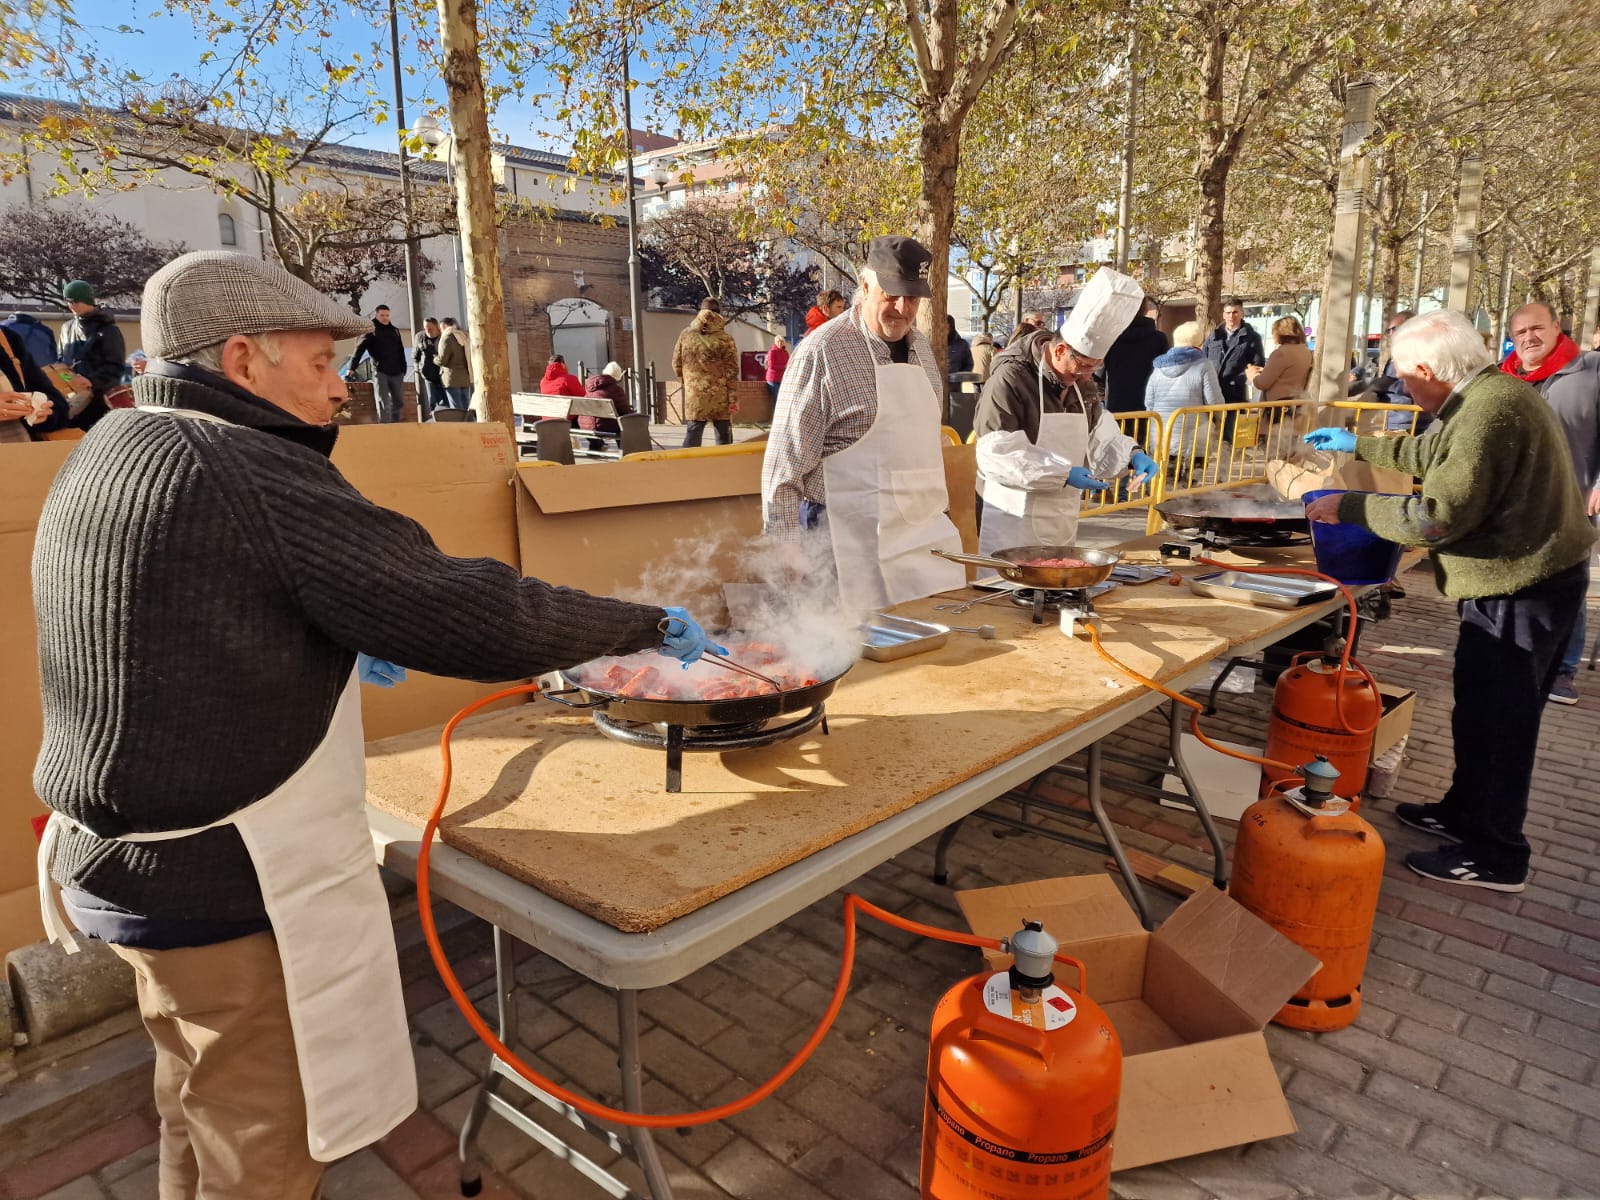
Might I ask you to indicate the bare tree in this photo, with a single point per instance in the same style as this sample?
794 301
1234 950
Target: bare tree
44 247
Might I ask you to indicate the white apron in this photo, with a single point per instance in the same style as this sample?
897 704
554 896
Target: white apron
312 851
1013 517
887 500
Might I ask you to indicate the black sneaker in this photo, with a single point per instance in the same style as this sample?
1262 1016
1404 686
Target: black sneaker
1456 864
1427 817
1564 690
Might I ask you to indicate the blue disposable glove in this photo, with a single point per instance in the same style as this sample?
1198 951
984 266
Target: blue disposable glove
684 639
378 671
1084 481
1331 439
1143 467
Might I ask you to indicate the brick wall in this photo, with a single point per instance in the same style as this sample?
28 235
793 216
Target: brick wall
538 260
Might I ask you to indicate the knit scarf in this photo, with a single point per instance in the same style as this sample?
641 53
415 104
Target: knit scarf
1565 351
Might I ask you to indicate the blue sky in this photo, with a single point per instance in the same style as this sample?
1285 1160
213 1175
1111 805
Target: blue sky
162 46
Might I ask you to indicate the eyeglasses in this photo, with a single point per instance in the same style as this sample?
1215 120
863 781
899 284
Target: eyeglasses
1393 329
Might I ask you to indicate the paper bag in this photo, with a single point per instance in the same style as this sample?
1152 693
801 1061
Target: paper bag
1314 471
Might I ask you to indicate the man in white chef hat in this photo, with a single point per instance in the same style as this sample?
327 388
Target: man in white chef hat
1041 442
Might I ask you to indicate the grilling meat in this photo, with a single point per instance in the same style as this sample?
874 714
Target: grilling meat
1053 562
641 677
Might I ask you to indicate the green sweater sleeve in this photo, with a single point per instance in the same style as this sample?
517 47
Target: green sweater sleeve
1467 468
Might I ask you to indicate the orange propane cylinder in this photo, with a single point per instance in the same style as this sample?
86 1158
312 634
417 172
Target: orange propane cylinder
1312 871
1307 706
1023 1083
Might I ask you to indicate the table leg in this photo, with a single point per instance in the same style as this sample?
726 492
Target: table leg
505 982
644 1145
1219 857
1109 832
941 852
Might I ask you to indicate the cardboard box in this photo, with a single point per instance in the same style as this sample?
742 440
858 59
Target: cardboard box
604 527
1188 1001
1399 706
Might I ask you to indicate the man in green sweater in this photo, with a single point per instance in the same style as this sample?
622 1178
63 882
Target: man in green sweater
1501 516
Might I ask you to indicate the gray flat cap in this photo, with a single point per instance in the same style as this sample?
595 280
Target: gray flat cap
208 296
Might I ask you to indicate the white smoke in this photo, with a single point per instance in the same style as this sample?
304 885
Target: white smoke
755 590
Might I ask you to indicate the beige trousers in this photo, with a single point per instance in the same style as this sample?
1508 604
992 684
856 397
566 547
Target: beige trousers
233 1116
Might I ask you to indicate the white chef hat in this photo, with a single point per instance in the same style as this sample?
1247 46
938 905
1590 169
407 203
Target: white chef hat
1109 302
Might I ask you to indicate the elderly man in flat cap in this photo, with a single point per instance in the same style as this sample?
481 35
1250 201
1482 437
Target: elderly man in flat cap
205 584
855 454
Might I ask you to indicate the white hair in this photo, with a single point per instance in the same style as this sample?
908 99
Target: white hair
1445 342
866 277
209 358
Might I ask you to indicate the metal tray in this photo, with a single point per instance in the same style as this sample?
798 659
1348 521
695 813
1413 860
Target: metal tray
887 638
1267 591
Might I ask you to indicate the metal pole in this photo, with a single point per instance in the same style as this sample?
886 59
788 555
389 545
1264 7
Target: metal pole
1464 239
1504 315
1591 301
413 274
1372 274
634 285
1129 127
1338 304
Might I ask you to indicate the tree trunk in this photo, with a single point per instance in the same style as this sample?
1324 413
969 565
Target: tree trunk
474 178
1212 228
936 216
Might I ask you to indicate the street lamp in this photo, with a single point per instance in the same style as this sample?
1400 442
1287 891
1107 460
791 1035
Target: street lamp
432 133
413 274
641 403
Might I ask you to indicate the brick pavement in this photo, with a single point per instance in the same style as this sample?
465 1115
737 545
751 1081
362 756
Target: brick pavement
1470 1073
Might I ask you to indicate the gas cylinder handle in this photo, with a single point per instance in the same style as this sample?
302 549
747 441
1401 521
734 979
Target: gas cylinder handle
1083 972
1345 822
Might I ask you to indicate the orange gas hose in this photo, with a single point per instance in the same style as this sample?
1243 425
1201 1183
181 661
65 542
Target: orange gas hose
604 1112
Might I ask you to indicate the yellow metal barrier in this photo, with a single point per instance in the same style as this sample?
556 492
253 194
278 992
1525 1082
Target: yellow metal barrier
1146 428
751 447
1225 445
1374 417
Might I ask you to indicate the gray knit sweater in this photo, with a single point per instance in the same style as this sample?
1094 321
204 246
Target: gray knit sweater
201 592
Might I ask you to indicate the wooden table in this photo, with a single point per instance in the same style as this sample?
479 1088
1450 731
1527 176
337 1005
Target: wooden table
569 842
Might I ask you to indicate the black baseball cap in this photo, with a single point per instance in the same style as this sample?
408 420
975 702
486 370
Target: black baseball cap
901 265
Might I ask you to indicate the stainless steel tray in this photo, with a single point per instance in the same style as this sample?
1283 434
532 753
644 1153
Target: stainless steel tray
1267 591
886 638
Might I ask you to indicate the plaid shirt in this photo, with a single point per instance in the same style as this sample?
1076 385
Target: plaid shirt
828 400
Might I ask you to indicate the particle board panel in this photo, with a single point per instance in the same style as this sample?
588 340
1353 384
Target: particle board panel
544 797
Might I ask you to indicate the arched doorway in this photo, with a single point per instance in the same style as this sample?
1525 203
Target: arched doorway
580 331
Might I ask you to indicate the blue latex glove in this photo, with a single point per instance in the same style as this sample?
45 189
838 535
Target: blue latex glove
1143 467
1084 481
1331 439
378 671
685 640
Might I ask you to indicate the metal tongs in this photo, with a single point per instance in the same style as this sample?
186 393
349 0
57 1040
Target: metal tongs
728 664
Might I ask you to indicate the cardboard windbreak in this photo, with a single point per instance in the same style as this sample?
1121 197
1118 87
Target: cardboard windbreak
613 528
1188 1003
455 479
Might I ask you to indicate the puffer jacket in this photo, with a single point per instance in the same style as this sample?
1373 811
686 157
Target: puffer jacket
558 381
1181 378
707 361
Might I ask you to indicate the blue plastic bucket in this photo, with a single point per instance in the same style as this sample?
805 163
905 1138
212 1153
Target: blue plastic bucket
1354 556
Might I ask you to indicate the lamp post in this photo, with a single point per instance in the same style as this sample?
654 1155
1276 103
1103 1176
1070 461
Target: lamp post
434 135
635 309
413 274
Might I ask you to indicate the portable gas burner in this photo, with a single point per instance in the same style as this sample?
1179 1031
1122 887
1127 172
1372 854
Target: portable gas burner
1238 538
1071 604
675 739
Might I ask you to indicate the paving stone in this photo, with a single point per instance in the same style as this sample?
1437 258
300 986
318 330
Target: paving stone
1312 1094
1549 1154
1409 1105
1564 1034
503 1146
584 1057
863 1123
673 1061
1405 1003
841 1171
1573 1011
1529 1048
1430 962
439 1076
1485 1166
77 1158
1158 1182
1513 1105
1293 1163
745 1172
1495 962
1579 1097
1225 1173
79 1189
1309 1053
416 1142
1476 1001
1414 1174
364 1176
1461 1051
682 1013
129 1163
145 1184
774 1124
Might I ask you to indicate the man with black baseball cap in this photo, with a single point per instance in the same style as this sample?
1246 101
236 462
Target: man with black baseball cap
208 588
860 405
